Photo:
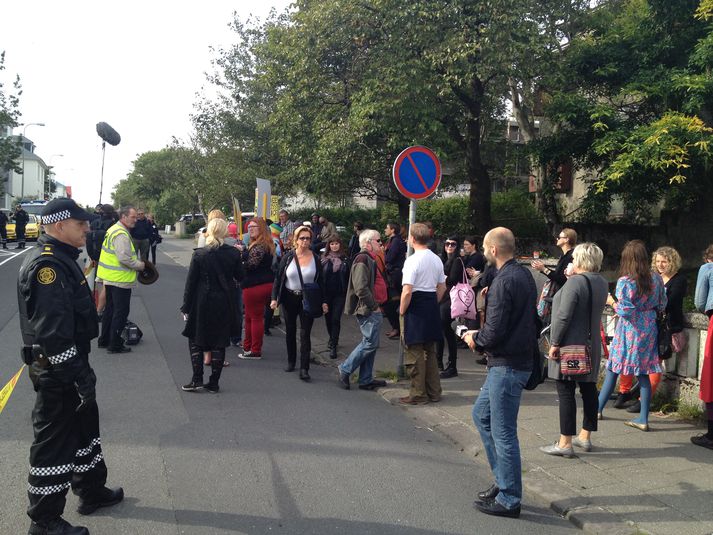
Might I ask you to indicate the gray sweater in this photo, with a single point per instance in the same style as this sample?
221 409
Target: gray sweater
570 313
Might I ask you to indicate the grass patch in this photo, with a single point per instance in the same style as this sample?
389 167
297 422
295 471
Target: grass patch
388 375
690 412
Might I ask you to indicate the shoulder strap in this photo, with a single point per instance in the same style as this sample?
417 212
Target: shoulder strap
591 306
465 277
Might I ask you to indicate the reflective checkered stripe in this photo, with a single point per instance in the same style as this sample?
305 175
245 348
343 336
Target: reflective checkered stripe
81 468
52 489
86 451
51 470
54 218
64 356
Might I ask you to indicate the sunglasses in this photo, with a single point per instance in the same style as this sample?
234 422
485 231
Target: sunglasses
451 244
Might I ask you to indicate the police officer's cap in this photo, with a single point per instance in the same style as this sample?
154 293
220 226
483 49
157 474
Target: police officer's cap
62 209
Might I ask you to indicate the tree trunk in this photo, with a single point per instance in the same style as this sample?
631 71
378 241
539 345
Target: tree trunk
403 204
478 177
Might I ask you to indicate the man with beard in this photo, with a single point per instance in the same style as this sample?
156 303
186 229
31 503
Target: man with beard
506 338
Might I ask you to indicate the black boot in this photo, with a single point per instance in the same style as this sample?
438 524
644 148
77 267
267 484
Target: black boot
332 345
216 366
4 245
450 371
622 400
103 497
56 526
196 383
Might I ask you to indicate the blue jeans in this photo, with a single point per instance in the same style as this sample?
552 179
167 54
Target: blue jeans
495 416
362 356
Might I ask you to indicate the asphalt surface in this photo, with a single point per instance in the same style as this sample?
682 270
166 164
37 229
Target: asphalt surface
268 454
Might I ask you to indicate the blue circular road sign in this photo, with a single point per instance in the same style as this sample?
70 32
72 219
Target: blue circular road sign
417 172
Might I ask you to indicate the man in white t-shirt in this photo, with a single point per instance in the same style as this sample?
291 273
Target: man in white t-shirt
424 284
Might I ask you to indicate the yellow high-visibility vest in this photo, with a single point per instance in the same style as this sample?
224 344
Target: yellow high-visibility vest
109 268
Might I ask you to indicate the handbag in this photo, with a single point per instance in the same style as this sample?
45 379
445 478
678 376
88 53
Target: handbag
463 299
544 303
311 295
678 341
576 359
665 343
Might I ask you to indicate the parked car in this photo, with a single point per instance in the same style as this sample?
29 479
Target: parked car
189 218
32 230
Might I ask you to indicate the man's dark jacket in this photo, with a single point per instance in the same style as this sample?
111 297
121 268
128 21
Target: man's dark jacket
142 230
509 332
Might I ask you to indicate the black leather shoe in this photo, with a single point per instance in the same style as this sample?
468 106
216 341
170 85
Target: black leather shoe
376 383
449 372
122 349
332 353
304 375
489 494
482 361
102 345
290 368
622 400
56 526
103 497
634 407
495 509
344 380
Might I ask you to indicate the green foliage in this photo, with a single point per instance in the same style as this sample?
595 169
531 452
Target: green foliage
515 210
10 148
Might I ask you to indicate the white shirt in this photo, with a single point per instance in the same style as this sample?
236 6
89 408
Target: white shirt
309 273
423 270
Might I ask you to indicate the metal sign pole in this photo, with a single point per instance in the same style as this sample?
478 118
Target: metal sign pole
411 221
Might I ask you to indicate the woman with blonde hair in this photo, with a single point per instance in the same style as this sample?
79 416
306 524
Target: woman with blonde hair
666 262
256 285
207 303
213 214
576 315
640 295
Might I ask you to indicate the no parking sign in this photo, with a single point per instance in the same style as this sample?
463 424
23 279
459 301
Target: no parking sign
417 172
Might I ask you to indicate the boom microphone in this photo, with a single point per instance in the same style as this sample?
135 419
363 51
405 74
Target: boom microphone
108 134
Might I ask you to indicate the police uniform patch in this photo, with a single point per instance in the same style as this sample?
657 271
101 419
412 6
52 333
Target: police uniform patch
46 275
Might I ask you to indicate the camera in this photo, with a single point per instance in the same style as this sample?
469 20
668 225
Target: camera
459 328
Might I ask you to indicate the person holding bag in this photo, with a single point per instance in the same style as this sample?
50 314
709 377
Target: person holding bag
298 288
566 241
576 315
640 295
453 268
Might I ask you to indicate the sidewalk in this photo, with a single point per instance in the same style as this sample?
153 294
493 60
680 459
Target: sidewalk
631 483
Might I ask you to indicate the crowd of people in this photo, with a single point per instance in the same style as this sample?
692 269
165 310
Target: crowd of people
304 270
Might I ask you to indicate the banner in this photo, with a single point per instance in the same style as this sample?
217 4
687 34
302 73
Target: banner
263 198
238 217
8 388
275 208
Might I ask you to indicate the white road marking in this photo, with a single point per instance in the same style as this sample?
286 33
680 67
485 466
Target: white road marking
14 255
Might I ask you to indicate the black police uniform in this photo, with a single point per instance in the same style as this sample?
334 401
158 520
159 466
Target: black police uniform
58 320
3 229
21 220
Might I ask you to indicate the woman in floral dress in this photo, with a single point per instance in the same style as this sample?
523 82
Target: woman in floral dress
640 294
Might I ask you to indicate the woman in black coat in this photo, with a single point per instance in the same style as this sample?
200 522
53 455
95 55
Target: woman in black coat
212 275
453 268
287 292
566 240
335 267
395 256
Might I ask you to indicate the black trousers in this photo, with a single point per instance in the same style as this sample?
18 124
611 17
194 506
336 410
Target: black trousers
116 312
153 253
217 359
20 234
333 318
568 406
391 311
3 234
66 450
291 310
448 335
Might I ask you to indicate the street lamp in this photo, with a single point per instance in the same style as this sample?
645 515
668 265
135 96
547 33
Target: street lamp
22 188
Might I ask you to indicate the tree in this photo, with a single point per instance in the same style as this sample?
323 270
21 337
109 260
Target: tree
10 148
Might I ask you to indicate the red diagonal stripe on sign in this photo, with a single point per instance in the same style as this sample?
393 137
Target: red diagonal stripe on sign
423 182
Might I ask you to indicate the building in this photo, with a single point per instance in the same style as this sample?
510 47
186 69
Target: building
31 184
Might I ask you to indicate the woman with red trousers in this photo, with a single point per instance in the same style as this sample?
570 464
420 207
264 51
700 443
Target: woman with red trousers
256 285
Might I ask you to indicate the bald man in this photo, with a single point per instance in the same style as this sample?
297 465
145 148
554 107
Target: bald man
506 338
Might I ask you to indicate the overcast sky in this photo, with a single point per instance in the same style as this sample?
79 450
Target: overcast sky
136 65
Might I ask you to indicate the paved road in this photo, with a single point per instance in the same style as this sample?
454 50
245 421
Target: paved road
269 454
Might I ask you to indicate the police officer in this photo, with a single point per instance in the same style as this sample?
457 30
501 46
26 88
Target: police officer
21 220
3 229
58 321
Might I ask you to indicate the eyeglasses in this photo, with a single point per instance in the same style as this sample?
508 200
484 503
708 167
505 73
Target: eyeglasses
451 244
251 226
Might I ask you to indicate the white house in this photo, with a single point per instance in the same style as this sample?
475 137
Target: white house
31 184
